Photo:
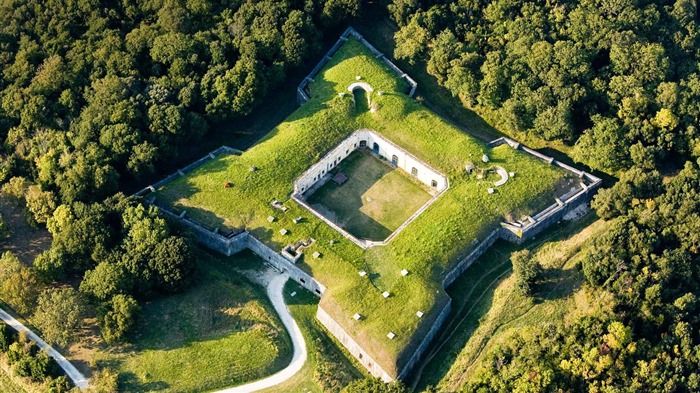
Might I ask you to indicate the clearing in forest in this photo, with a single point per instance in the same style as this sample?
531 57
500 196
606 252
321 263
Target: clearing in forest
237 191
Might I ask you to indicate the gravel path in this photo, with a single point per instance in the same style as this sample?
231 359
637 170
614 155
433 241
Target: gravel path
275 286
73 373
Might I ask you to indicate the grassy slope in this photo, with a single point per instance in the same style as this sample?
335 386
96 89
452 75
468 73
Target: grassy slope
488 310
221 332
327 367
375 200
427 248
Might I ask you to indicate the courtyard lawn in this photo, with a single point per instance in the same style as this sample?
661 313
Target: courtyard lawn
428 248
222 332
375 200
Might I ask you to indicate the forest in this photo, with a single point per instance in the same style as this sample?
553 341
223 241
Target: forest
96 95
618 80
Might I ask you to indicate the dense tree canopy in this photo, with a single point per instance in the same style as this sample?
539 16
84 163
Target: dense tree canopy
93 91
58 314
603 75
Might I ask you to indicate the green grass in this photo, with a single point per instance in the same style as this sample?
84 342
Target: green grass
328 367
222 332
375 200
428 247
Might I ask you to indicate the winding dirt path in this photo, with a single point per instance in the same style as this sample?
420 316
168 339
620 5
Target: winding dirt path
275 287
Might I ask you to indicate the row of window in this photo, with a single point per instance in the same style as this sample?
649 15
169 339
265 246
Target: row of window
363 143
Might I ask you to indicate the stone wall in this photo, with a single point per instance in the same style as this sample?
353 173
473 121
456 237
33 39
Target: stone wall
215 241
303 94
317 174
182 171
229 245
386 149
467 261
519 233
351 345
280 263
425 342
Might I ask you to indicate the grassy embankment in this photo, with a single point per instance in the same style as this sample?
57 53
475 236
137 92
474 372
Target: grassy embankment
488 310
327 368
221 332
427 248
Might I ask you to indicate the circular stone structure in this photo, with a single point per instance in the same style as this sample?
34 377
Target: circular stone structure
504 176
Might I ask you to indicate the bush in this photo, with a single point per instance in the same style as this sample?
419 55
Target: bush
7 337
118 318
49 265
19 286
15 189
58 385
105 281
40 204
104 381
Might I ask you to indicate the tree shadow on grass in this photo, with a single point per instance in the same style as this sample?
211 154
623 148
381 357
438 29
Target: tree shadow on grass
558 283
128 381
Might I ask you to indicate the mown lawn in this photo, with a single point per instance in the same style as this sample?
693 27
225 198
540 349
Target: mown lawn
375 200
221 332
428 247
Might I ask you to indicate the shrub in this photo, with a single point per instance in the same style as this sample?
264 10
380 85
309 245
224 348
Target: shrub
15 189
118 318
6 337
19 286
40 204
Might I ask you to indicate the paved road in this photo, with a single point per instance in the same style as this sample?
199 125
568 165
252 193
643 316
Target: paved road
73 373
274 291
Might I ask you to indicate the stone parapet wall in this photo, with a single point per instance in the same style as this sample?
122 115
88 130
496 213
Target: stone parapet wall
319 173
352 346
280 263
214 241
553 213
425 342
303 94
233 245
470 258
182 171
424 173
